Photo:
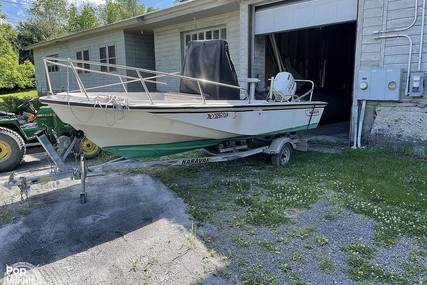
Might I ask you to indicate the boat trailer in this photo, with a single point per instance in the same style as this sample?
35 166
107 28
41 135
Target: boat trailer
280 150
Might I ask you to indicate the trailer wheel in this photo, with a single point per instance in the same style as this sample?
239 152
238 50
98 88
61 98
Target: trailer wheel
284 156
88 148
12 149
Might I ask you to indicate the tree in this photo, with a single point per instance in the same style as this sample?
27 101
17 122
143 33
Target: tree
81 20
50 15
12 74
47 19
53 18
28 33
2 16
8 57
116 10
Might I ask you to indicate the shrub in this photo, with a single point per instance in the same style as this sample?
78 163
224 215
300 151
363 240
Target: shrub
11 103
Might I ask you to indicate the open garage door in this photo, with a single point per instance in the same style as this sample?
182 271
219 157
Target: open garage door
303 14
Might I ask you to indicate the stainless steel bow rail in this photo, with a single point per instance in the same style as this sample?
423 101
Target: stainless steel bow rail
280 149
123 79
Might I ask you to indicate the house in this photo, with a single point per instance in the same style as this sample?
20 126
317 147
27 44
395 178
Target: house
358 52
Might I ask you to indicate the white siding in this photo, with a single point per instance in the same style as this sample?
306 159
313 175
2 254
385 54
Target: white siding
139 53
376 15
390 53
169 49
259 61
68 50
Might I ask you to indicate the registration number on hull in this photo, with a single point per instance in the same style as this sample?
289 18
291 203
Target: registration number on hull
313 113
217 115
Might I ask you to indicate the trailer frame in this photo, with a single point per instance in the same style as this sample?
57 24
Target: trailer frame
280 148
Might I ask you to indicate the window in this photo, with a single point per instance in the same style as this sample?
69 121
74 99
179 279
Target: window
83 55
52 67
207 34
107 54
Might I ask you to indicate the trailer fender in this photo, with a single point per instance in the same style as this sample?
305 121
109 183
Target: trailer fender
278 143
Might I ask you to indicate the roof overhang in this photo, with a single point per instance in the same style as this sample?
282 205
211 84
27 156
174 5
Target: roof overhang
186 11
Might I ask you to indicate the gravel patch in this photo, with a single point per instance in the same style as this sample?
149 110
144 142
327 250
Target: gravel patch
264 251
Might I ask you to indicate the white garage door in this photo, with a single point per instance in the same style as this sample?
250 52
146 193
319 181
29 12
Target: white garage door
303 14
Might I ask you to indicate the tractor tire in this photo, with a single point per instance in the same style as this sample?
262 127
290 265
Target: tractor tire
12 149
88 148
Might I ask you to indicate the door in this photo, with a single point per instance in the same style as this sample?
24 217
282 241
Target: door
303 14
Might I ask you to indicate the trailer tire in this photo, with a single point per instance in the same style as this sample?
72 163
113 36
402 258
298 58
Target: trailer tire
284 156
12 149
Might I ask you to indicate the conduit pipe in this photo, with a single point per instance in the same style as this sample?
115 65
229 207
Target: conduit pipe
360 127
395 30
408 77
420 54
358 133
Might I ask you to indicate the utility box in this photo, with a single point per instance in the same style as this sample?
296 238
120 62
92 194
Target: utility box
416 84
379 84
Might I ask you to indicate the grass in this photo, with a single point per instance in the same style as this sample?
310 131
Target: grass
269 246
284 266
256 276
359 249
321 240
390 188
10 101
297 256
304 232
326 265
240 241
361 267
20 94
387 187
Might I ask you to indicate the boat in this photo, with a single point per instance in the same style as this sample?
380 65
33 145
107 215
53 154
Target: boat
207 110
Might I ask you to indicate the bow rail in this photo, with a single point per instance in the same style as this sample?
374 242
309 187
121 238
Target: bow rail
74 66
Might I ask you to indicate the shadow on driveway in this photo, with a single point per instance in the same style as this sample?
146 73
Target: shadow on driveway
131 229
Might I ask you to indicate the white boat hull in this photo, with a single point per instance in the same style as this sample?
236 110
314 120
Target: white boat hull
174 129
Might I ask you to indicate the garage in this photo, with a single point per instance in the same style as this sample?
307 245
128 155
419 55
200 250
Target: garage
314 40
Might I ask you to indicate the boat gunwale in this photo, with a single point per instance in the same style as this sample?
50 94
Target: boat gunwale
192 106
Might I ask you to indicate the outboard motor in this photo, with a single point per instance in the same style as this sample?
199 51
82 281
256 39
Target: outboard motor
283 87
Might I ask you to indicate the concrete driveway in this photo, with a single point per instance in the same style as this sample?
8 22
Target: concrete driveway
132 230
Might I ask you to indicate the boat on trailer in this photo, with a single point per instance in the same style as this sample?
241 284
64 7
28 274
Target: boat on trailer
209 109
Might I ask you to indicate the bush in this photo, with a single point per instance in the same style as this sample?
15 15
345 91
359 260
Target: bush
12 74
25 76
11 103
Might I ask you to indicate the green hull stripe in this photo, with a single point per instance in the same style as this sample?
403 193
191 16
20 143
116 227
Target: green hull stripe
153 150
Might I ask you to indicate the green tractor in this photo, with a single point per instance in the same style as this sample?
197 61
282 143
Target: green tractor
17 132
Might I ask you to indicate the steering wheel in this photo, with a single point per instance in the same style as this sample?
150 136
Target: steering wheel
27 104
